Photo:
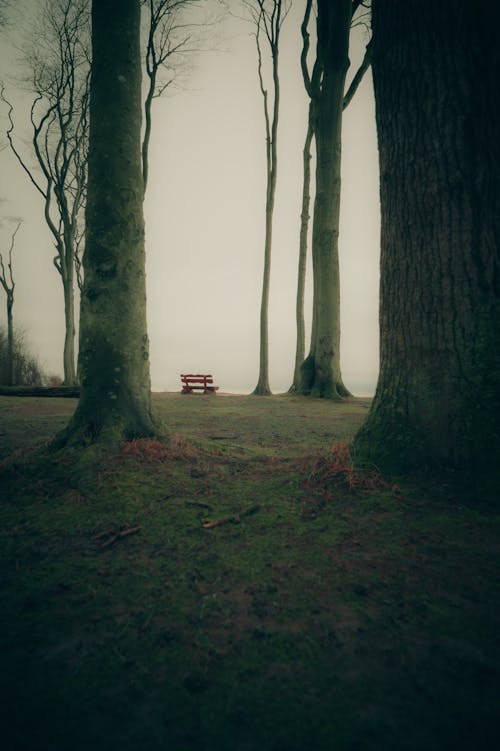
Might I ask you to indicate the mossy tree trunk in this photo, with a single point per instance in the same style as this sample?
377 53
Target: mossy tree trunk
321 370
114 353
436 72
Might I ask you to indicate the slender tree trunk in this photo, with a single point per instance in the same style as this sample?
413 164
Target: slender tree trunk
69 334
301 276
148 103
114 352
10 341
321 371
435 71
263 388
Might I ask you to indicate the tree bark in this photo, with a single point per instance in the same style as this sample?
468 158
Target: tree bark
436 72
321 370
115 399
69 329
301 275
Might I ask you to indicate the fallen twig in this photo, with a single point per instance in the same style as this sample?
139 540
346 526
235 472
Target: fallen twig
234 519
113 536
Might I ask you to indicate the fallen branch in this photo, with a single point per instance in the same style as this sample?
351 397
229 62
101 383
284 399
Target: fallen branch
234 519
114 536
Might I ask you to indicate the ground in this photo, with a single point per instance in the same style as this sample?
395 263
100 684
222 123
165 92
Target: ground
241 588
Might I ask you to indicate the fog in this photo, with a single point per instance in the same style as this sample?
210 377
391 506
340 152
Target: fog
204 214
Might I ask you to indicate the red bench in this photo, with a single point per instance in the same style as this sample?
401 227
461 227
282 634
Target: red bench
192 382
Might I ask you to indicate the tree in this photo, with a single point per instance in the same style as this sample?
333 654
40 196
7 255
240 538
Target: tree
8 284
268 18
435 71
320 371
115 400
312 83
167 38
59 70
306 200
26 368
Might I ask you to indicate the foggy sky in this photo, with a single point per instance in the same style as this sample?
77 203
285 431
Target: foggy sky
204 214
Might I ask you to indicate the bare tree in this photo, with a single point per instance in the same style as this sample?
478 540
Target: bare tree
7 282
59 79
168 38
268 17
310 82
319 374
4 7
115 398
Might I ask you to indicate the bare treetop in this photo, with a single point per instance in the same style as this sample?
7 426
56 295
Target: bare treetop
57 63
6 275
4 6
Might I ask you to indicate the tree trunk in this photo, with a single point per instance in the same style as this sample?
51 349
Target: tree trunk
69 334
148 103
321 371
301 277
10 341
263 388
435 71
114 353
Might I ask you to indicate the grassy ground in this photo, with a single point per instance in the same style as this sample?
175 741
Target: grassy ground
324 610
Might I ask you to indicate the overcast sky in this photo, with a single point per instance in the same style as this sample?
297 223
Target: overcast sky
205 225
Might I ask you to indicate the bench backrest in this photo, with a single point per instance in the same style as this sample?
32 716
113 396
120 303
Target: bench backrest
191 378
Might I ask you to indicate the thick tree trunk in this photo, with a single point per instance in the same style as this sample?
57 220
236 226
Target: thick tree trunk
436 72
114 358
321 370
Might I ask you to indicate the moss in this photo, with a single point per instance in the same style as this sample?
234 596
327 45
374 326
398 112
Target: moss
280 631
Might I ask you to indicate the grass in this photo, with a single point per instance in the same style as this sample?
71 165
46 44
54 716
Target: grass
343 613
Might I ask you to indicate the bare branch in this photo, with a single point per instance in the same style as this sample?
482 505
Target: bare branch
305 47
169 38
4 7
358 76
58 60
7 280
362 18
14 150
264 93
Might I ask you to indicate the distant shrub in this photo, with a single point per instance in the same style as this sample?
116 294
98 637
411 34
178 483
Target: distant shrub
53 380
27 369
